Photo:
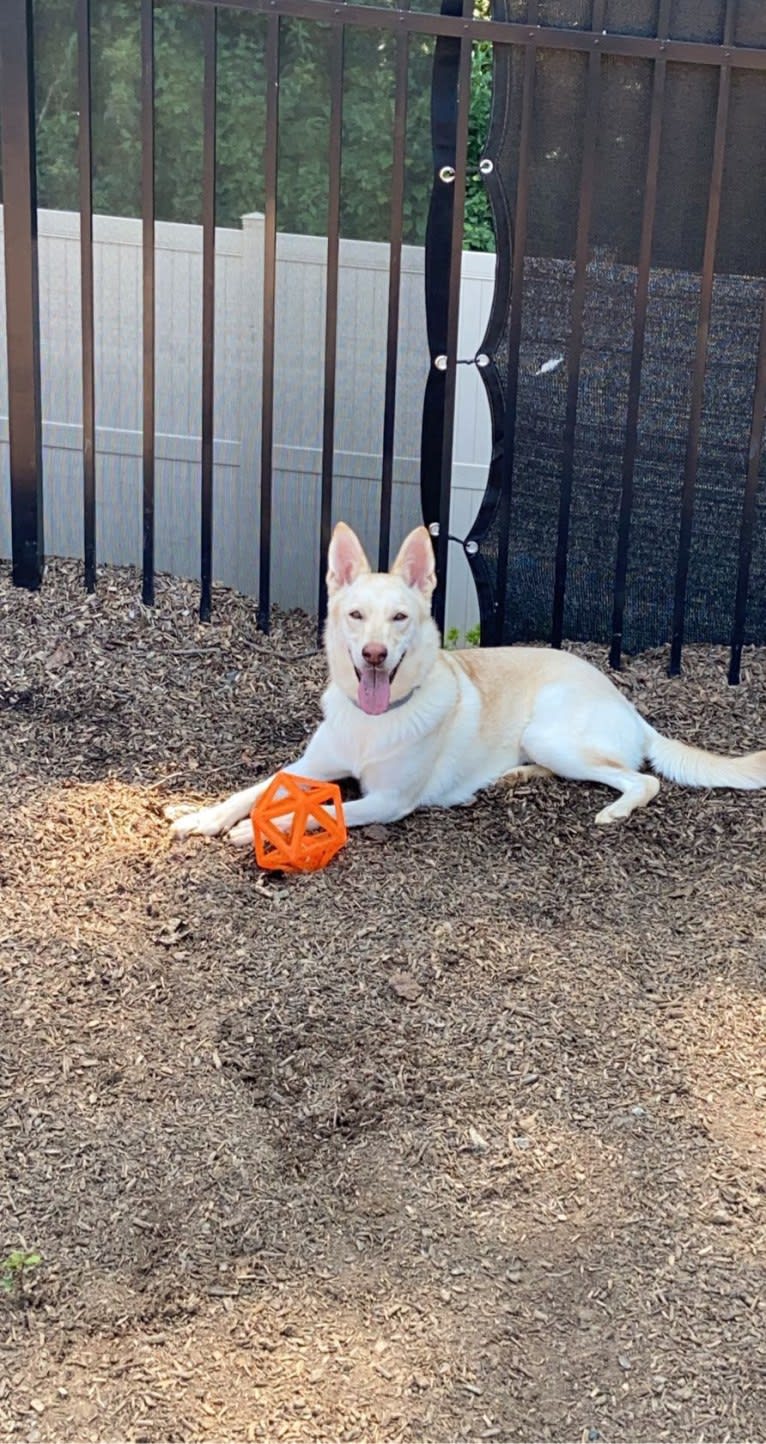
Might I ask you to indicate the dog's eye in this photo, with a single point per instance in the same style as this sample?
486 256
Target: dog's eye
400 617
356 616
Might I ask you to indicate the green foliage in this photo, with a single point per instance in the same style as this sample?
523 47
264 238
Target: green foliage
479 233
472 637
304 116
14 1269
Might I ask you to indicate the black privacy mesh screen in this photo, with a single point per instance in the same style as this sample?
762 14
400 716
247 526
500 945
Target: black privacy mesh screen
686 153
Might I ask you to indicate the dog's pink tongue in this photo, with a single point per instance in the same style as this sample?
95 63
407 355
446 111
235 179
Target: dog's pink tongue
374 691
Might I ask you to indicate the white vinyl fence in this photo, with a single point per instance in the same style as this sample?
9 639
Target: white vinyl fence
363 294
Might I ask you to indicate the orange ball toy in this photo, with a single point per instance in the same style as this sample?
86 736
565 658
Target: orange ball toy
313 834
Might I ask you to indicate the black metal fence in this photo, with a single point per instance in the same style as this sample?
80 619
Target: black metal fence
594 253
627 503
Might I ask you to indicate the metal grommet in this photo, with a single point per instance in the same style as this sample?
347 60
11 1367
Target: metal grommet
441 363
447 174
482 359
434 528
486 166
472 547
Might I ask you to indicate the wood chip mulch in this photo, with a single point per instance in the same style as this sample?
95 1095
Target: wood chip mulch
462 1138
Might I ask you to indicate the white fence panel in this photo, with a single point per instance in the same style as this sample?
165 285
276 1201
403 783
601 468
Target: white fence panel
299 371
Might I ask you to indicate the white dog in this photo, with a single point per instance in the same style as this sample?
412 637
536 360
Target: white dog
421 727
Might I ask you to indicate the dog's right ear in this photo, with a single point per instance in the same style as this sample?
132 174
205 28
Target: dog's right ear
345 559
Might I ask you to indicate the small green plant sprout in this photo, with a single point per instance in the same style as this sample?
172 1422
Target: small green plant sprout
15 1269
472 637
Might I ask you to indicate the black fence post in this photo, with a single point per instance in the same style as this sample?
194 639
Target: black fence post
450 106
271 178
396 232
17 121
707 282
337 52
208 307
148 304
85 161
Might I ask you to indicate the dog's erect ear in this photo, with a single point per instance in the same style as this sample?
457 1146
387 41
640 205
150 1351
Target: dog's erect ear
345 559
415 562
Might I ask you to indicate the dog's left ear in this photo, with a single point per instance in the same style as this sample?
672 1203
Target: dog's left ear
415 562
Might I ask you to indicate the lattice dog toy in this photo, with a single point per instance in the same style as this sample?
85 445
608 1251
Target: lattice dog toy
313 827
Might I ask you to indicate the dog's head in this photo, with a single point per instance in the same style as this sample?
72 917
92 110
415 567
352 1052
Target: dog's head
381 640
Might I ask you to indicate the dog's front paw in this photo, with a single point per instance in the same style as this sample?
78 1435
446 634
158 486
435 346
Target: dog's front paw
174 810
241 835
206 822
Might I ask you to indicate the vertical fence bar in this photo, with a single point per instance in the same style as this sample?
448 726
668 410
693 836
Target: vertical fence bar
639 334
269 303
700 357
17 119
337 42
147 227
394 291
748 506
210 24
86 292
521 214
453 319
576 337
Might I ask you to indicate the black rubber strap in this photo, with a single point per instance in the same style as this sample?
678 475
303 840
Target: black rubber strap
444 88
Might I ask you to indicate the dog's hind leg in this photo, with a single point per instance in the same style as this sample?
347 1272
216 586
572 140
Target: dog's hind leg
637 789
565 758
592 739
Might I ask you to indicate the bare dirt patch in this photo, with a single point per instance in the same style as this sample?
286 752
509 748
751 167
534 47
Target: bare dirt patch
461 1138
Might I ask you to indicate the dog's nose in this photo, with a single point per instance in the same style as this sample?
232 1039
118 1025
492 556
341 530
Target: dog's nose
375 654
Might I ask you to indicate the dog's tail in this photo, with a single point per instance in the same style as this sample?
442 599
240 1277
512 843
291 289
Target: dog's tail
693 767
